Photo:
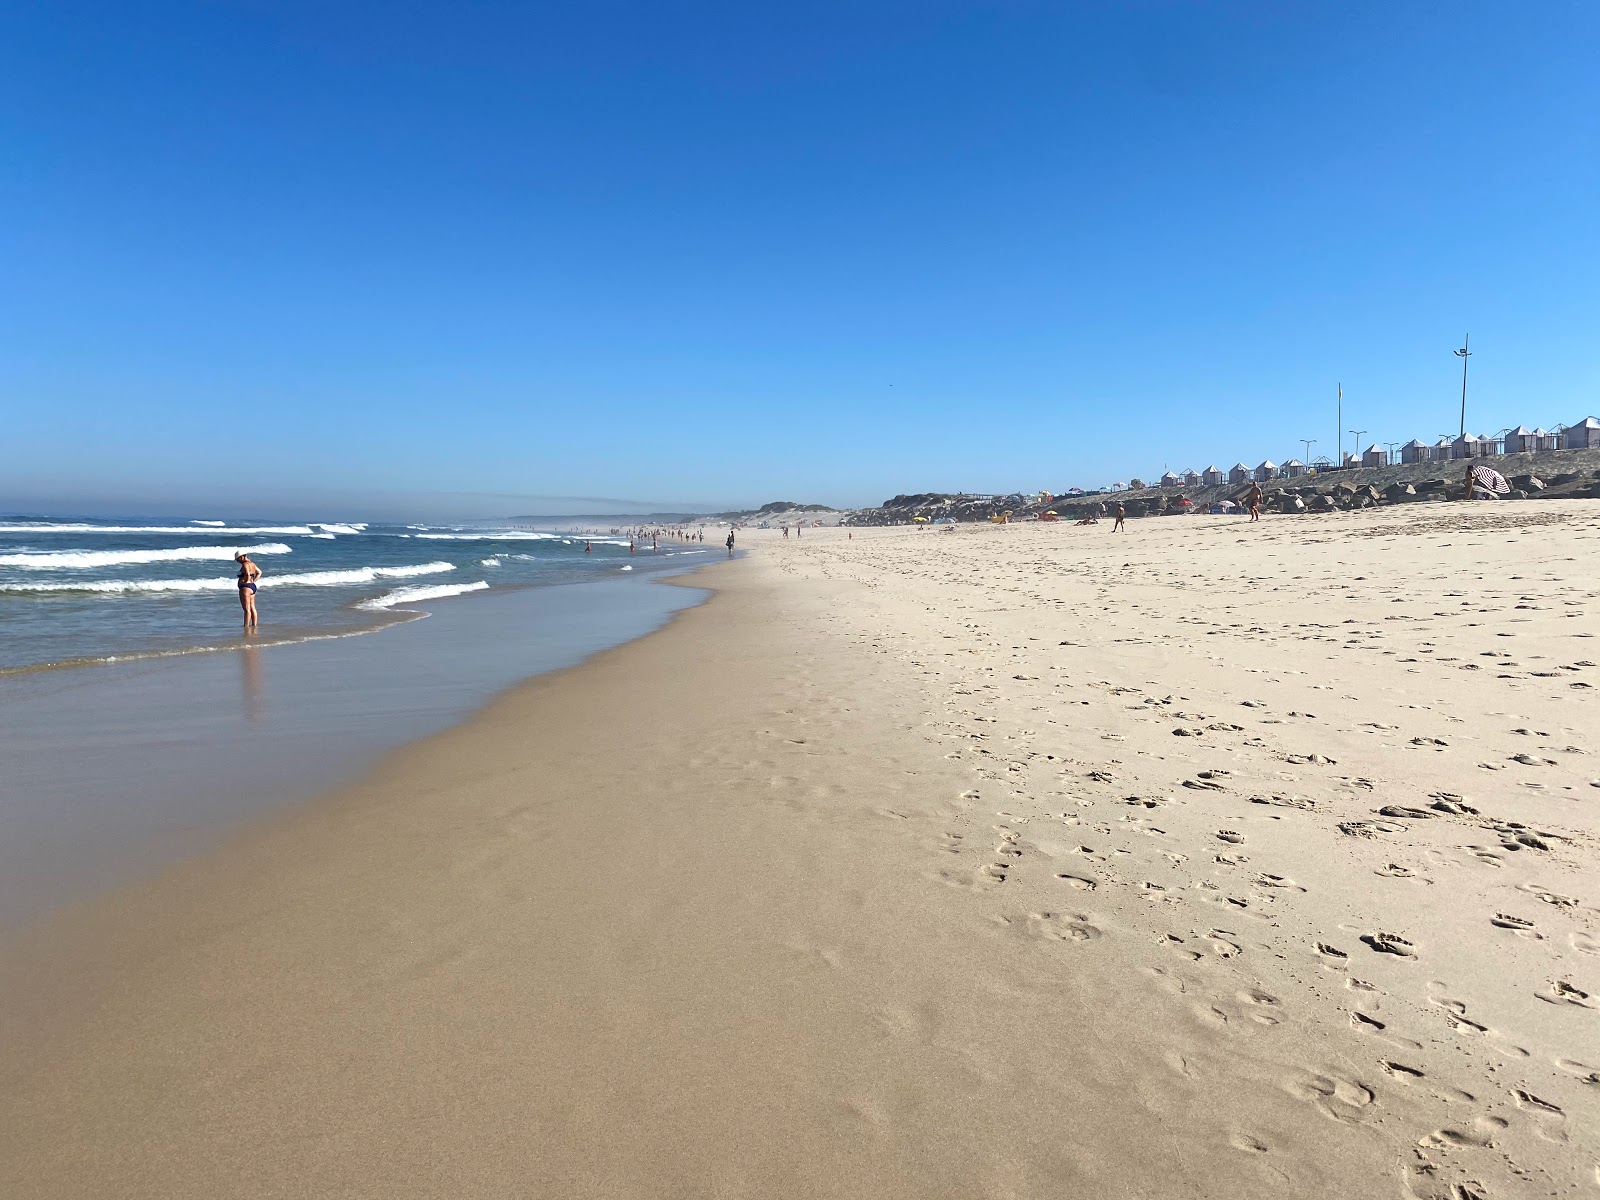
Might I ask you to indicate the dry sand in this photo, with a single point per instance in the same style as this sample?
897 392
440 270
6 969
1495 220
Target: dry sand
1204 861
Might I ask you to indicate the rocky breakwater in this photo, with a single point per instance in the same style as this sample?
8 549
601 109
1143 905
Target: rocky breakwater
1571 474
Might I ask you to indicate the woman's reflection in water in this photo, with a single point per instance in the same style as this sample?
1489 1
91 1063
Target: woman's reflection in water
250 676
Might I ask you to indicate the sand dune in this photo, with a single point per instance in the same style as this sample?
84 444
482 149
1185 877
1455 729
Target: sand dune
1206 860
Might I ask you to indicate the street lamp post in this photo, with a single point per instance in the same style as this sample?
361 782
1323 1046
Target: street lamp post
1308 443
1358 433
1463 354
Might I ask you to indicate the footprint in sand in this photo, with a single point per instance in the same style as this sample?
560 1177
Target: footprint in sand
1231 836
1390 943
1428 1180
1549 1120
1402 1072
1456 1013
1519 925
1078 881
1584 1072
1066 927
1337 1097
1549 897
1222 944
1562 991
1481 1133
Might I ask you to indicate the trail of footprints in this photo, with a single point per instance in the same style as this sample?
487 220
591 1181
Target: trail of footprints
1121 844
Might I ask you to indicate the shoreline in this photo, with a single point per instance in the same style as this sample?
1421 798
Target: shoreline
113 772
819 891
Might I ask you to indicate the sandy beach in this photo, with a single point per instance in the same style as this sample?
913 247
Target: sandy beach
1208 860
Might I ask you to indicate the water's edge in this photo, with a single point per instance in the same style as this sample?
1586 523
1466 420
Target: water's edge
113 773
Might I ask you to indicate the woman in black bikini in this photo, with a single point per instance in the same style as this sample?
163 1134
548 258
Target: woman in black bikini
248 574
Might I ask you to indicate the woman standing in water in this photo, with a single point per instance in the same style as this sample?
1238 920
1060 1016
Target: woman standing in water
248 574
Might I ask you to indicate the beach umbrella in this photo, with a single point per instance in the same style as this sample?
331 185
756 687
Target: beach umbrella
1490 480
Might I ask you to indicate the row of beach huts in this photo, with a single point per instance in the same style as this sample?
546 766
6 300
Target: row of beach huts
1584 435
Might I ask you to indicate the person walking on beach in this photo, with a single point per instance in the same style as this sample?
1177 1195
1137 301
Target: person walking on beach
730 543
248 574
1253 501
1119 510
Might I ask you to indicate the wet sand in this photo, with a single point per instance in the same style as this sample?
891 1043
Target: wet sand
113 770
1205 861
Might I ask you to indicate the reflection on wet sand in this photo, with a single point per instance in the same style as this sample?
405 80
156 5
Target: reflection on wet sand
250 677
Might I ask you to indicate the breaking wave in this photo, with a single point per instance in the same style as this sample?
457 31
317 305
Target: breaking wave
410 595
349 578
56 560
207 529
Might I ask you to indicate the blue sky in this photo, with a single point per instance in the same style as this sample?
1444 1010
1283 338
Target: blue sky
459 255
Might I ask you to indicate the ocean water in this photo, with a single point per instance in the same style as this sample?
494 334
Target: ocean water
89 591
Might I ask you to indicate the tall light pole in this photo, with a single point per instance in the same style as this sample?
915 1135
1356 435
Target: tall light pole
1308 443
1463 354
1339 426
1358 433
1391 446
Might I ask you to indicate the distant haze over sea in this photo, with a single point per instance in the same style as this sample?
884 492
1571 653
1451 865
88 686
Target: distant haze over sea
320 504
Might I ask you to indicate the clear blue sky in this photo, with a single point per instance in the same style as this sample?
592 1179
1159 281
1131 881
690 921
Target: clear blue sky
730 252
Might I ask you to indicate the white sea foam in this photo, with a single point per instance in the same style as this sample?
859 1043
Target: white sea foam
56 560
327 537
624 568
505 535
208 522
489 562
15 527
325 527
411 595
350 578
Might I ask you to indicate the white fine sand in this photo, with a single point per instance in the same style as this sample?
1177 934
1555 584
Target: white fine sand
1208 860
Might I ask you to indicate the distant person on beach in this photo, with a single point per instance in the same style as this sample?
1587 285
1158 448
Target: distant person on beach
248 574
730 543
1119 510
1253 501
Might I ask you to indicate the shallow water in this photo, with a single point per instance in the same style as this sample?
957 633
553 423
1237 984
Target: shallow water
78 591
112 771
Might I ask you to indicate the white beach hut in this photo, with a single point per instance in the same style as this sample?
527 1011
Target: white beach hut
1522 440
1293 469
1267 470
1468 445
1375 456
1585 435
1544 440
1441 449
1191 478
1239 473
1414 451
1168 479
1213 477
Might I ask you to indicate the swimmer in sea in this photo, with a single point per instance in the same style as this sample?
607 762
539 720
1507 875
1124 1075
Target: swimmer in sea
248 574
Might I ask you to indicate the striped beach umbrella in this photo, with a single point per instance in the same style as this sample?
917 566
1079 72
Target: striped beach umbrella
1490 480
